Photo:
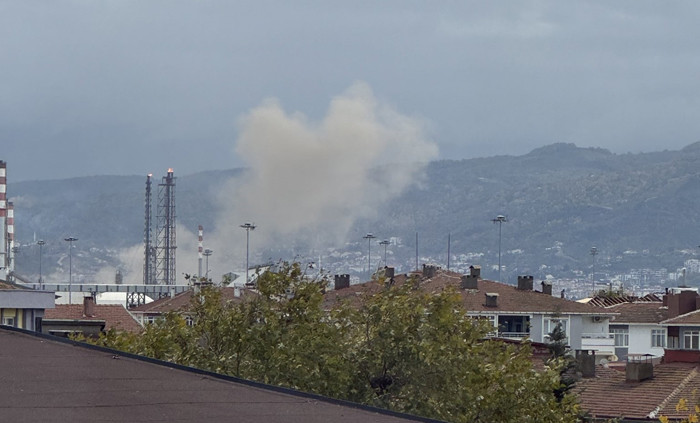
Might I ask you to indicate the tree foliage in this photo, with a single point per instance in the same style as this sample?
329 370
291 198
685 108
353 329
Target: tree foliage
402 349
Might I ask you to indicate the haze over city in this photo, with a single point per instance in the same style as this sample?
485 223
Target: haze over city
133 87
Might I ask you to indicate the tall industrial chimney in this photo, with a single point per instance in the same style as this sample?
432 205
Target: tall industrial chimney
165 242
3 221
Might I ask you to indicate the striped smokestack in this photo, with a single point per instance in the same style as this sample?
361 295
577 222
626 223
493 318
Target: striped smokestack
200 249
3 220
11 236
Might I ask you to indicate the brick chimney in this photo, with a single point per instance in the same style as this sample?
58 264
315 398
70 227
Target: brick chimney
547 287
89 306
525 283
681 302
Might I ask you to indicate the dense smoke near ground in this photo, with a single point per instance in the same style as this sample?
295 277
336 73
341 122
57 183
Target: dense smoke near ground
315 179
131 260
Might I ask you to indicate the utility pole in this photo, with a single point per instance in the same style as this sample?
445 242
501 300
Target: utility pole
593 252
369 237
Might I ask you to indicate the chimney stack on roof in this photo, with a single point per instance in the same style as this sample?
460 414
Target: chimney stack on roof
469 282
585 359
388 272
491 299
430 270
525 283
639 368
475 271
89 306
547 287
681 302
341 281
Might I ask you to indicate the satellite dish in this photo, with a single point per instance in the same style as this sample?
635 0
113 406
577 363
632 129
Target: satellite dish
613 357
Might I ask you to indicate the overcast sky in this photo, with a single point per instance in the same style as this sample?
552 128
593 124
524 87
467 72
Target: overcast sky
132 87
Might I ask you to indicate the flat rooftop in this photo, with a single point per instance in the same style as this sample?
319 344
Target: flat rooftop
49 380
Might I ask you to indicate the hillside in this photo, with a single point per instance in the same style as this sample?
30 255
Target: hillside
560 201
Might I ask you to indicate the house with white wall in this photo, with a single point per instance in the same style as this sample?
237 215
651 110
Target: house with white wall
516 312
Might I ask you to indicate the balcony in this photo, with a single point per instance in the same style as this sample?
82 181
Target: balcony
603 342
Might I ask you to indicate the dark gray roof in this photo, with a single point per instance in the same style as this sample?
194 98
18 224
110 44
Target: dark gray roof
44 379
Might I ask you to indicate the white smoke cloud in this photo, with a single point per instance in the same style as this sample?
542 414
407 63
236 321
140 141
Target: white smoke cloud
310 178
322 177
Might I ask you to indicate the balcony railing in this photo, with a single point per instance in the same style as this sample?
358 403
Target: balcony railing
598 341
514 335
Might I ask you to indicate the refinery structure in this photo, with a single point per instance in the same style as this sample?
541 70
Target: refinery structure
159 274
7 225
159 259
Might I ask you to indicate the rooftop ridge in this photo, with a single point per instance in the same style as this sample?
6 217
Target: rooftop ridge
681 386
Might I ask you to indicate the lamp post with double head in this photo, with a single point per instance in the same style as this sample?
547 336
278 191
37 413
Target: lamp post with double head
384 243
207 253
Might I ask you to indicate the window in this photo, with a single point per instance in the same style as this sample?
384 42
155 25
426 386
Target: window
658 338
691 340
149 319
189 320
621 335
8 321
551 323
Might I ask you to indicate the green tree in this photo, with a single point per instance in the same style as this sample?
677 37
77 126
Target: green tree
401 348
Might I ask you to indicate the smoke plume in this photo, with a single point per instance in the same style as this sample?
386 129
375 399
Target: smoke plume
320 177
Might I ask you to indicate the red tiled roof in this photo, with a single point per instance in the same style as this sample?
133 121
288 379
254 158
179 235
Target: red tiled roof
510 299
692 318
115 316
644 312
609 395
181 301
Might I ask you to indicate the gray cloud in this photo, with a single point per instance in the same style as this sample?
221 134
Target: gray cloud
126 87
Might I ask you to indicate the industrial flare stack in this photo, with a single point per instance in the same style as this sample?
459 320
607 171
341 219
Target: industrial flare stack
159 261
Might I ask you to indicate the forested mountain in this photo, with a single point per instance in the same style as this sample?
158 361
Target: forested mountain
560 200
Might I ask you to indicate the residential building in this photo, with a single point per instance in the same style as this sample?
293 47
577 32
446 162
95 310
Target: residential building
23 308
180 303
515 311
640 391
88 318
637 329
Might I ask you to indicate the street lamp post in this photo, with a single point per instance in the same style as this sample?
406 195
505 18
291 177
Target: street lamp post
384 243
40 243
70 240
248 227
207 253
500 219
594 252
369 237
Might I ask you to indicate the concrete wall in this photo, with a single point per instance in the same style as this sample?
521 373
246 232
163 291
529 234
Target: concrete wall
640 340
